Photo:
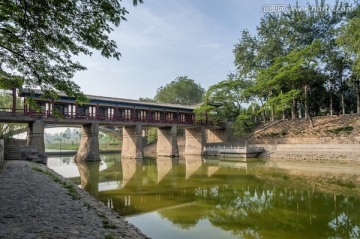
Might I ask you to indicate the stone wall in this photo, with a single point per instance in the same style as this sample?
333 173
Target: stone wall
13 149
306 140
311 151
331 138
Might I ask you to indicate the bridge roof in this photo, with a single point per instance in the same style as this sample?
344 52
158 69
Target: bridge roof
34 93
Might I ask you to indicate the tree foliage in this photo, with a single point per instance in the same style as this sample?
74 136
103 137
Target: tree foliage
6 103
38 40
299 63
182 90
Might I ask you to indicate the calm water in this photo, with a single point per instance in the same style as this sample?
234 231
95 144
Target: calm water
206 198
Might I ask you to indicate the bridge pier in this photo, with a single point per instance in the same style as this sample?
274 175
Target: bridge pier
89 144
167 142
195 140
35 136
132 142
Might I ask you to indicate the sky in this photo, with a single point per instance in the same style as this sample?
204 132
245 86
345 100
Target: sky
164 39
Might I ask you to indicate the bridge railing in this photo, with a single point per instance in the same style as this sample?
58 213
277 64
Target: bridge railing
224 147
119 118
11 110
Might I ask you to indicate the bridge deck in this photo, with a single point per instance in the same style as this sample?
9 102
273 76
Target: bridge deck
104 111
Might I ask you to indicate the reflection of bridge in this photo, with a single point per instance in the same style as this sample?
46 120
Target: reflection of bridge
151 178
131 115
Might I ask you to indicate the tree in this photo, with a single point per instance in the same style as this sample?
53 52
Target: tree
7 129
226 101
349 38
38 40
146 99
182 90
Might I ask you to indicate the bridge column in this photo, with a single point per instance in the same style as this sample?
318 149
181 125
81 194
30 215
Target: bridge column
35 136
132 142
167 142
194 141
89 144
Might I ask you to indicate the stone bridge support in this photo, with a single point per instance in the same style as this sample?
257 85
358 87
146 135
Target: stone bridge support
167 142
132 142
89 144
35 136
195 140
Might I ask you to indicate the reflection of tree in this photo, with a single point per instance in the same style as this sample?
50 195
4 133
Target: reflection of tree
110 159
150 173
245 205
252 212
66 160
184 216
342 225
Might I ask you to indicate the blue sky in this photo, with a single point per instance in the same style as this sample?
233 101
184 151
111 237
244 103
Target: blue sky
164 39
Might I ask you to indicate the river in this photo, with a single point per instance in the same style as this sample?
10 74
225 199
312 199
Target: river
196 197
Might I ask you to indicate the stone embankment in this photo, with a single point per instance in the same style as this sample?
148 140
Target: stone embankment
331 138
35 202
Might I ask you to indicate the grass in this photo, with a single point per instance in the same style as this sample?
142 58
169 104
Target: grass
70 187
106 223
349 185
87 205
346 129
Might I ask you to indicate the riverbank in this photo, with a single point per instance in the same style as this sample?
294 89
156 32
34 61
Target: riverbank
331 138
36 202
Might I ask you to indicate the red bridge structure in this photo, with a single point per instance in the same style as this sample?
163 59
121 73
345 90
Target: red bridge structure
131 115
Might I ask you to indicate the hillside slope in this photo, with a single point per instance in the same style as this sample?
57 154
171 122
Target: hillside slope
344 129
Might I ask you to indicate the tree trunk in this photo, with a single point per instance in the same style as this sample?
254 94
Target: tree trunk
306 106
331 103
293 109
306 103
283 114
343 103
272 113
283 107
357 88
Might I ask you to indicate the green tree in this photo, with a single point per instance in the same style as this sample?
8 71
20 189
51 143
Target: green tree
38 40
349 39
182 90
226 101
146 99
293 76
6 100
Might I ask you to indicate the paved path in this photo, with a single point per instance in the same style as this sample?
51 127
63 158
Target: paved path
34 204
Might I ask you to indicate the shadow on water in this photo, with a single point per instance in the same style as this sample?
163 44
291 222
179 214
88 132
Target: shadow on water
196 197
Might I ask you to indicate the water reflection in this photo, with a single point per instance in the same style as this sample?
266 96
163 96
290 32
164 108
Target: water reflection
132 172
89 176
193 196
192 164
